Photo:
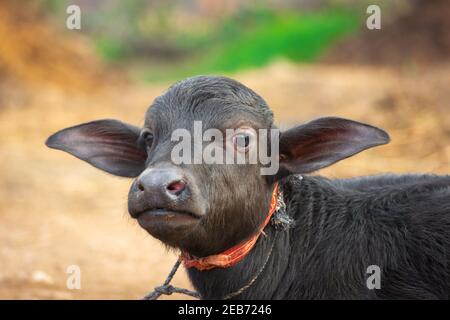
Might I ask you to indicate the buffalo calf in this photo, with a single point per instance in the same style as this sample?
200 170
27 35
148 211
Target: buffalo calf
245 234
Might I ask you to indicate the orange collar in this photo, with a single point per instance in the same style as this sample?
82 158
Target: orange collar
235 254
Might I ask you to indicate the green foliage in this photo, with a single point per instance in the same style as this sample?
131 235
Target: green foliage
148 37
254 39
53 6
249 38
110 49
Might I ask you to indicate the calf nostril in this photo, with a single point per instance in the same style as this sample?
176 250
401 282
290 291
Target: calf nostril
176 187
140 186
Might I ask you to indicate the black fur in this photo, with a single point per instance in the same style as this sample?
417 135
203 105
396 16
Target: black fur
400 223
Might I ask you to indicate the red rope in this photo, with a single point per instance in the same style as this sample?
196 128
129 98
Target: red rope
234 254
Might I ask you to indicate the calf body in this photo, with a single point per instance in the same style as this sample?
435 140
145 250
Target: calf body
338 228
341 227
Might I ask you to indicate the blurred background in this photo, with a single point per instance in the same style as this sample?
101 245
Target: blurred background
307 58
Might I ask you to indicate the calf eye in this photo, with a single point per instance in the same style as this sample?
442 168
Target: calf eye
243 139
146 137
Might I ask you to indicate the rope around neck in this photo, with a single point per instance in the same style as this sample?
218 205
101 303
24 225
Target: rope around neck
168 289
256 276
280 220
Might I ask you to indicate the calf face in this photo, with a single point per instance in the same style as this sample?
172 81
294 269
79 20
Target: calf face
204 208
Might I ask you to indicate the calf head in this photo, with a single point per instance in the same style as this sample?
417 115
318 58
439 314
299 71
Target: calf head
204 208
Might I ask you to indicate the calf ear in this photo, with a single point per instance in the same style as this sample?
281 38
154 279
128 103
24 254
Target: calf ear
109 145
322 142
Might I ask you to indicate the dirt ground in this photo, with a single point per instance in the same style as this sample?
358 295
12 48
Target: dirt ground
56 211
